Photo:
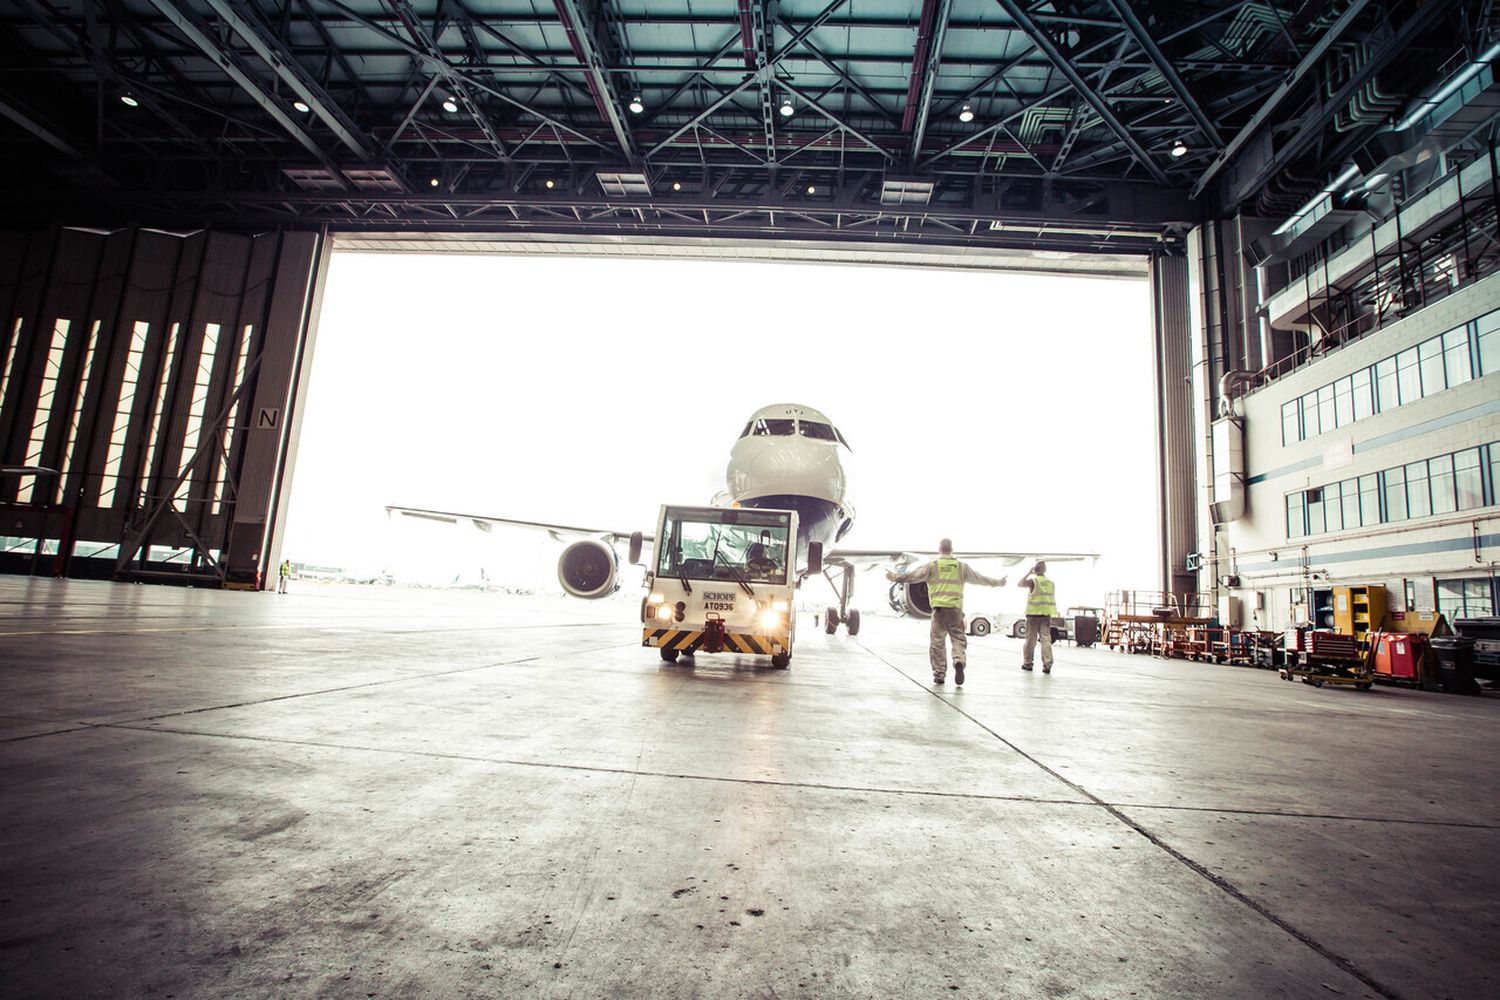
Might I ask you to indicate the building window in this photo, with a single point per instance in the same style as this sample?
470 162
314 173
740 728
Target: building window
1467 481
1395 494
129 381
1440 470
83 387
1386 397
1418 496
1408 377
1430 361
1349 490
1456 356
1369 499
1471 598
1364 403
1310 423
1316 523
192 435
1296 521
158 411
1489 343
10 359
1291 422
1327 420
33 487
1343 401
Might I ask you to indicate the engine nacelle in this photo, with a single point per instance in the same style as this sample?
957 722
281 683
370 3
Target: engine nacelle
589 569
911 599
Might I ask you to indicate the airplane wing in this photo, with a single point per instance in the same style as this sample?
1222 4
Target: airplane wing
871 558
484 522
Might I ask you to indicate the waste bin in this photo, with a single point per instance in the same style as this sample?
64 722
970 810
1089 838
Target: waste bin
1455 656
1085 630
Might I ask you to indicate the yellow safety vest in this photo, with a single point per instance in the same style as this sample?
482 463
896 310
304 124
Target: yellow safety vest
945 584
1043 599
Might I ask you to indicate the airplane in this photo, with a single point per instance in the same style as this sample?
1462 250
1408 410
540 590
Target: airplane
788 457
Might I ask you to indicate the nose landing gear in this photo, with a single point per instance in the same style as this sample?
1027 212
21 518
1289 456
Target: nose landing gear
843 614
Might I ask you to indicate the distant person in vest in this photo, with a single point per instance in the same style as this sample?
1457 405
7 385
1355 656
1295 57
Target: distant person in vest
286 574
1041 608
945 577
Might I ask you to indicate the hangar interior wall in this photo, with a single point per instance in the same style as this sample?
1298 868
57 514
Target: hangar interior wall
159 376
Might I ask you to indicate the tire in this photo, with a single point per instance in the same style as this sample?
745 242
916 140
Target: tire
853 622
831 623
980 626
670 655
781 660
1018 630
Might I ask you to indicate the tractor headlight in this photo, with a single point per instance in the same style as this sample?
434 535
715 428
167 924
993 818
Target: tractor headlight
664 613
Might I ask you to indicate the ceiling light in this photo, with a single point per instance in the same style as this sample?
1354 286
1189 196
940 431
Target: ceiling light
677 185
966 115
129 100
301 106
812 189
786 107
636 107
549 184
433 182
450 105
1179 149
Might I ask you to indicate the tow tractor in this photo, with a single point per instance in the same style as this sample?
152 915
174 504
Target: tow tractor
723 581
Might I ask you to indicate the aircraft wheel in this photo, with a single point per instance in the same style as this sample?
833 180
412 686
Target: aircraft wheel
781 660
1018 630
853 622
981 626
831 622
670 655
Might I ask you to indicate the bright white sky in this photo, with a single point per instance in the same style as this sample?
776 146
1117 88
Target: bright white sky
1005 411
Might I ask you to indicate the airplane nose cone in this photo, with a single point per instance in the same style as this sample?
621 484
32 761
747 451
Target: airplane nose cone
786 467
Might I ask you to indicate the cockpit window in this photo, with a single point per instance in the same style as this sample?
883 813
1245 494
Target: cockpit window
772 428
813 429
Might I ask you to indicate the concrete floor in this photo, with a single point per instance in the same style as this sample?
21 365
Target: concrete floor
370 793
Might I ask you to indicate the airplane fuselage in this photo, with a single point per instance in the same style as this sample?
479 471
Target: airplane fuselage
792 457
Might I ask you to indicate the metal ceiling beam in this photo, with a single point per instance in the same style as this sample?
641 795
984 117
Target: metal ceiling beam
426 42
42 132
843 74
1158 58
229 64
1059 59
807 99
1309 62
755 35
1315 123
291 73
580 31
924 79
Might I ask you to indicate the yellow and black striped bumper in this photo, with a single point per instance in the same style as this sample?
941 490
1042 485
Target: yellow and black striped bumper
688 641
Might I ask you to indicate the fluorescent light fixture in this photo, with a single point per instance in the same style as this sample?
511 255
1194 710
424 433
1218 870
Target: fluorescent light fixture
301 106
1464 76
129 100
786 107
905 191
636 107
450 105
621 183
1180 149
966 115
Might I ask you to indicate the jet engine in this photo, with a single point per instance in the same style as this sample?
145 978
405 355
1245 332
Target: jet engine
910 599
589 569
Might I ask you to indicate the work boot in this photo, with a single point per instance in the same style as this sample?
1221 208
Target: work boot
958 674
1025 666
1046 668
937 679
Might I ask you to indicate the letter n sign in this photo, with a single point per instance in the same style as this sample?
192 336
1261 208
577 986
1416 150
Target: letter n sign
268 418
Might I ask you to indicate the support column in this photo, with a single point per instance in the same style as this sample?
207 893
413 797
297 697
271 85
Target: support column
1177 490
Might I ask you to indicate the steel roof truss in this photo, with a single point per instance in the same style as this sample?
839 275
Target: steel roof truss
932 57
581 34
1153 51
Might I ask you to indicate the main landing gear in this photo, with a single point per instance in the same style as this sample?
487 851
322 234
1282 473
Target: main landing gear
843 614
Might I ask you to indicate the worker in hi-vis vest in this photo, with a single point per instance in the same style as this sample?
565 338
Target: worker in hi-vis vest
1041 608
945 577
